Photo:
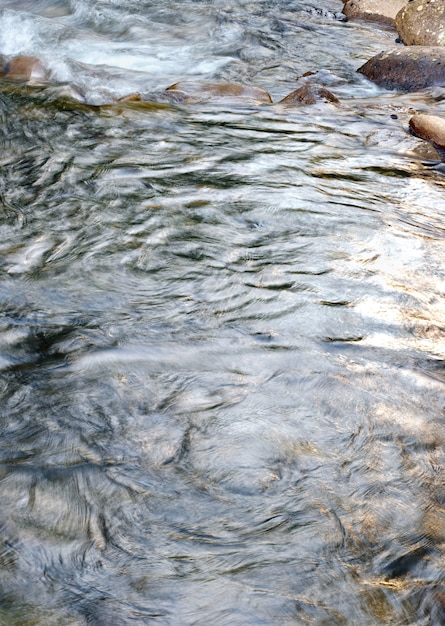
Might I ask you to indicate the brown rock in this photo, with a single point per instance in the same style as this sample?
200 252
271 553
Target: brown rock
202 92
407 69
429 127
131 97
309 94
422 23
24 69
383 11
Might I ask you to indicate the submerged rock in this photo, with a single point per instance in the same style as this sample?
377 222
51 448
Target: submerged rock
422 23
203 92
310 94
383 11
407 69
131 97
429 127
24 69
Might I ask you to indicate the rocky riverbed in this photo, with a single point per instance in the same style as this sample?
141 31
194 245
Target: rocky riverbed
418 62
420 26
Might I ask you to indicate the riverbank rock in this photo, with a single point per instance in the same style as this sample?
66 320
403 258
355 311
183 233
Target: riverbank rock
422 23
24 69
203 92
310 94
407 68
383 11
429 127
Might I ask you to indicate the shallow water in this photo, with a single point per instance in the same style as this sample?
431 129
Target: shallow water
222 345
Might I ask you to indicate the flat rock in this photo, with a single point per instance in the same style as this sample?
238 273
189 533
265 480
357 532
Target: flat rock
310 94
407 68
383 11
422 23
429 127
203 92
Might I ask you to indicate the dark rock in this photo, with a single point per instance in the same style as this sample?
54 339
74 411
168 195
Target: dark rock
422 23
407 69
310 94
406 563
203 92
383 11
429 127
24 69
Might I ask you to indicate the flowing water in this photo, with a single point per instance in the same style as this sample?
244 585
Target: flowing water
222 326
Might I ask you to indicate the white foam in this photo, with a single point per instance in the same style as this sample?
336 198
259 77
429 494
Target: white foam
63 47
23 33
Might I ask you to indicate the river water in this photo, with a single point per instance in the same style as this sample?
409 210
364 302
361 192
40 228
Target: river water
222 327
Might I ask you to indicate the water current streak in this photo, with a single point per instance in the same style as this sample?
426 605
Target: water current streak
221 326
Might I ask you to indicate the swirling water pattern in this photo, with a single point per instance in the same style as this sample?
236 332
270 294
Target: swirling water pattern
222 380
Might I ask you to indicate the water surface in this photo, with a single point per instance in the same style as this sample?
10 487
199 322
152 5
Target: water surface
221 330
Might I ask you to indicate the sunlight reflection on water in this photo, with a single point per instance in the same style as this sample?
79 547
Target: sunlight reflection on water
221 330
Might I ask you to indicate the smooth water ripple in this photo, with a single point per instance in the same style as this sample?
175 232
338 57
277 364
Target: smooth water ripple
221 328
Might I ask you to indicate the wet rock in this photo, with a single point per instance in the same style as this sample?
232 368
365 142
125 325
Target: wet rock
407 69
383 11
429 127
24 69
203 92
422 23
405 564
310 94
131 97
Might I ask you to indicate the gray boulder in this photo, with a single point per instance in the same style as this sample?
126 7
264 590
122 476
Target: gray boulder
383 11
408 68
422 23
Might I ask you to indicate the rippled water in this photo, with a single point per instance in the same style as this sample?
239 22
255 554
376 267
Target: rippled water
222 326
